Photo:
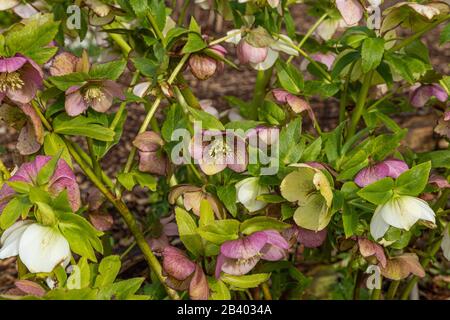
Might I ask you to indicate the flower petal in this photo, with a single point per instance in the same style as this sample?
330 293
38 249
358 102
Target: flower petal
11 64
42 248
176 263
351 11
75 104
378 226
311 239
238 267
244 248
198 288
10 239
268 62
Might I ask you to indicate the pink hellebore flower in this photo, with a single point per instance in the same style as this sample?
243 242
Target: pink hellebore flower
387 168
63 178
183 274
151 157
297 104
351 10
249 54
238 257
20 78
310 238
97 94
216 150
422 94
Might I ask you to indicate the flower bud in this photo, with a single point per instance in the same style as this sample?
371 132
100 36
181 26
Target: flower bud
202 66
250 54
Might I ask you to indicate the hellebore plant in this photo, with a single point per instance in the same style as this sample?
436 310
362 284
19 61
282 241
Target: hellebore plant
236 157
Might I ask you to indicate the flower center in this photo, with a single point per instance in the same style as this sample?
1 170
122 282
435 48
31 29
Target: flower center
219 148
10 81
93 94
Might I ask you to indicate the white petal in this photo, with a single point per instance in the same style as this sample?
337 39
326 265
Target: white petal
284 43
378 226
8 4
25 11
141 88
421 208
327 28
247 189
11 238
236 36
396 212
42 248
272 56
445 245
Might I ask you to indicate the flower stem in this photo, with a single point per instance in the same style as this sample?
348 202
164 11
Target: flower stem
392 290
344 95
128 218
262 80
360 103
312 29
94 160
155 28
119 40
266 291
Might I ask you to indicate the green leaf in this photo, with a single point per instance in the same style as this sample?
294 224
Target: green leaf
82 126
175 119
19 186
245 281
289 77
140 7
208 120
37 33
48 170
195 41
219 290
413 181
18 206
445 35
378 192
227 194
349 220
53 144
130 179
372 53
220 231
110 70
252 225
80 234
188 231
108 270
206 213
439 159
343 60
290 137
66 81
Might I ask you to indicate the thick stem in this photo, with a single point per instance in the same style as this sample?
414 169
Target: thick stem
119 40
311 30
266 291
392 290
128 218
262 80
360 103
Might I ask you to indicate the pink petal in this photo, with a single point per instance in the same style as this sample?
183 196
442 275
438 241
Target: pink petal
244 248
153 162
75 103
238 267
12 64
176 264
113 89
396 167
148 141
351 11
198 288
439 181
249 54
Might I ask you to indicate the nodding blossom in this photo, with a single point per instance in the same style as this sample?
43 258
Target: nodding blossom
20 78
387 168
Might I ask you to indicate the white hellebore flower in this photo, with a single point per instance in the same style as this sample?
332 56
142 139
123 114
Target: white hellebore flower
248 190
401 212
40 248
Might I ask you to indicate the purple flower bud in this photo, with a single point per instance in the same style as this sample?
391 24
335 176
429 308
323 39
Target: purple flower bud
422 94
311 239
388 168
202 66
176 264
249 54
368 248
439 181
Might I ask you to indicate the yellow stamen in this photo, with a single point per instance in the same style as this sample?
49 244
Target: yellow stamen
93 94
10 81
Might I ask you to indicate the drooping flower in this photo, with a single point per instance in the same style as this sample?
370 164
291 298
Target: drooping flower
445 245
259 49
151 156
168 229
421 95
310 189
40 248
203 66
216 150
324 58
369 249
440 181
401 212
238 257
20 78
443 127
247 190
97 94
400 267
297 104
387 168
192 198
63 179
66 63
183 274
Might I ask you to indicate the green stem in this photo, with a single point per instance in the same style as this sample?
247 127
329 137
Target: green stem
155 27
128 218
266 291
392 290
122 106
119 40
360 103
183 12
417 35
311 30
228 36
376 294
344 96
94 160
262 80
